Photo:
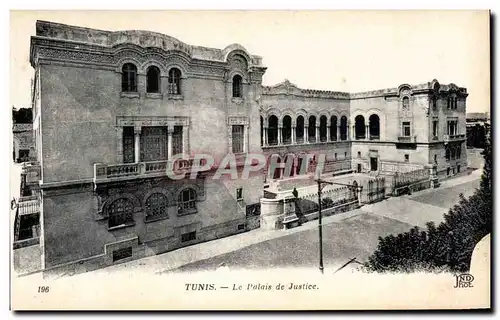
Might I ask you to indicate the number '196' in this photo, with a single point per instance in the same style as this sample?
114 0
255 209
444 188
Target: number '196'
43 289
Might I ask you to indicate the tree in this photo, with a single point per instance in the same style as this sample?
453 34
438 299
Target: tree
448 246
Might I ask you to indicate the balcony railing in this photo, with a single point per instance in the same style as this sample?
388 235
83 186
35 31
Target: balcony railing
374 137
454 137
360 137
28 205
123 170
407 139
32 171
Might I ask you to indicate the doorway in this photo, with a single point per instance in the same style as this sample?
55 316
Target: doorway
373 164
359 167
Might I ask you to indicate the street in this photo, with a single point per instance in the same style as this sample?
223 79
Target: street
353 237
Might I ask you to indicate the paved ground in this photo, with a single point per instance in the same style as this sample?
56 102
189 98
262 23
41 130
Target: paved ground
346 235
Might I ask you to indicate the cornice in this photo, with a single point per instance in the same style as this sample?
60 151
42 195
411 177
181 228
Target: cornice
289 89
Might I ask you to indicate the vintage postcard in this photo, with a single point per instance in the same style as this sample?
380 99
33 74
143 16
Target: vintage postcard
250 160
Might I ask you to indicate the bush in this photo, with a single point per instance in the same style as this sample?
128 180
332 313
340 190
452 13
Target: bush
446 247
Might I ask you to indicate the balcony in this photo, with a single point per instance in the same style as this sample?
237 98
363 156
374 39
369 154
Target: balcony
33 172
28 205
407 139
125 171
454 137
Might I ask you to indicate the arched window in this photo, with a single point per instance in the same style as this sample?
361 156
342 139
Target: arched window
359 127
129 77
120 213
237 86
333 128
272 130
406 103
287 130
374 123
186 201
311 130
322 128
174 81
153 80
343 128
299 129
156 206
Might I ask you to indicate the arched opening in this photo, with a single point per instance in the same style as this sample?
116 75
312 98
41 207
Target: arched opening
120 212
374 123
272 130
186 201
277 171
287 130
289 166
129 77
359 127
237 86
333 128
311 132
153 80
322 128
261 131
299 129
406 102
343 128
174 81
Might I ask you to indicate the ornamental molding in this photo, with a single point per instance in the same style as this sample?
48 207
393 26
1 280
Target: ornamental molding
142 121
287 88
236 120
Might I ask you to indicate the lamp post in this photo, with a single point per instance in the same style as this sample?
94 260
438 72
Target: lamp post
321 185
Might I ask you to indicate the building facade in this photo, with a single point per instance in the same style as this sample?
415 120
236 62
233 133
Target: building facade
111 111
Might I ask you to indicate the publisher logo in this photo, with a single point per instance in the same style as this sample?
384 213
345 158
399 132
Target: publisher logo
464 280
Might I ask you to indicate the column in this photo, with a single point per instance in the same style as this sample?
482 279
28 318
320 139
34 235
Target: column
317 134
280 129
353 132
306 134
185 140
170 131
328 130
119 144
367 132
137 143
347 132
338 133
265 136
293 135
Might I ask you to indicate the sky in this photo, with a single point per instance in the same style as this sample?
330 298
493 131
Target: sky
327 50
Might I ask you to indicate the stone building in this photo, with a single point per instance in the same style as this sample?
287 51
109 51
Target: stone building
112 109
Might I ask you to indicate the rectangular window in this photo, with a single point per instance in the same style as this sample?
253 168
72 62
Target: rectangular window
177 140
122 253
238 138
188 236
128 145
239 194
435 128
406 129
153 143
407 158
434 104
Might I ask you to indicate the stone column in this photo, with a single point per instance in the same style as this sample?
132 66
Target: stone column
367 132
317 134
338 133
293 135
170 131
265 136
185 140
280 140
306 134
137 143
328 131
